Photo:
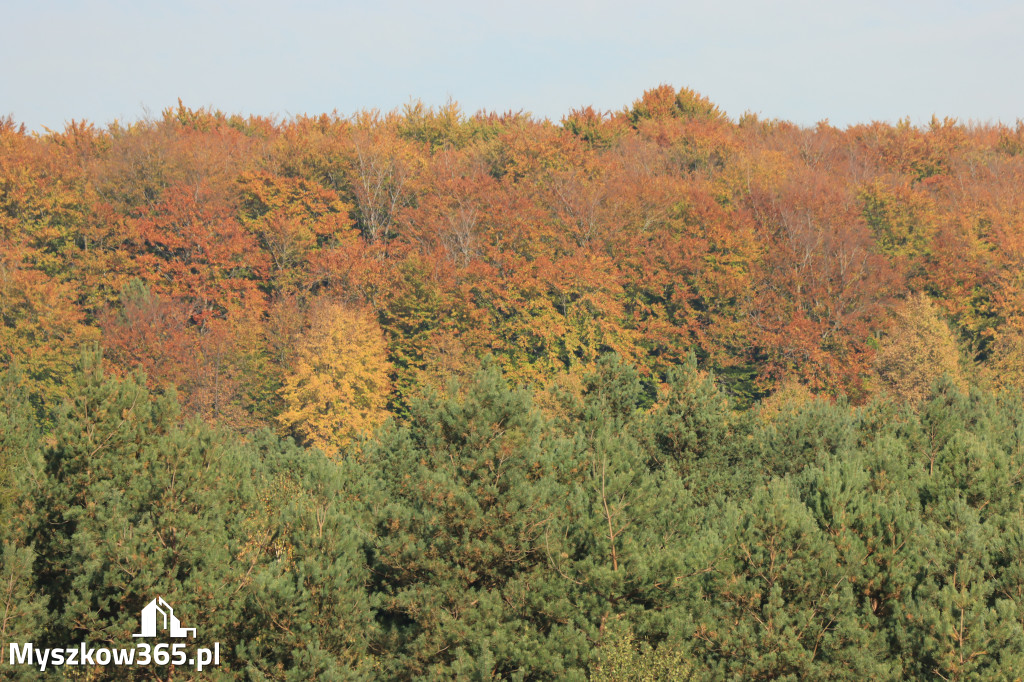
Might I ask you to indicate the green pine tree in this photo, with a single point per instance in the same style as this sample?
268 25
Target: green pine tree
247 540
463 588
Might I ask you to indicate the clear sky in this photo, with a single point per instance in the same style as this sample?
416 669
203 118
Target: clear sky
801 60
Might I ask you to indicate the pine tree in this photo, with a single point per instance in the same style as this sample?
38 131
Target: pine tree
693 429
802 434
22 604
306 614
868 503
247 541
959 626
779 604
630 536
461 557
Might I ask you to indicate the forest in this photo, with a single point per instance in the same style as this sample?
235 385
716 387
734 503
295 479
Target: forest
650 394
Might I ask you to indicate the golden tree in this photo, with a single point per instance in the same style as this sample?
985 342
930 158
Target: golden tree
1005 366
920 349
338 388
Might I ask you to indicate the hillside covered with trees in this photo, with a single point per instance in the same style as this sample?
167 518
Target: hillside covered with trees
637 395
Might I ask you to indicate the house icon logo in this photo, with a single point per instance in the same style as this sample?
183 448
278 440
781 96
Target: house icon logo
159 614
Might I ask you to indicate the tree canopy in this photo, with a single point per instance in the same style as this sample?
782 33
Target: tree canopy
421 395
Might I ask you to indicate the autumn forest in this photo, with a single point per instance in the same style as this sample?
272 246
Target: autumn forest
424 395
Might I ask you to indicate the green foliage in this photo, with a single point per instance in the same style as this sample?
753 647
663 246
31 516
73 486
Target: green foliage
462 542
637 535
620 658
139 505
313 589
23 604
618 543
803 434
693 430
20 463
782 606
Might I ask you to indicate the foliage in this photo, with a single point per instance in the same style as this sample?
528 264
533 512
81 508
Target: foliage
461 553
622 658
137 505
919 350
731 400
338 388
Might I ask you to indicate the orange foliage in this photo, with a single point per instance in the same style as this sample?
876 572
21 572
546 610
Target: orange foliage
770 251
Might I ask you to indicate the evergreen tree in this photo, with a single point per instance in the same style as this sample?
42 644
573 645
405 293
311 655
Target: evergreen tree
693 429
629 538
959 626
461 559
306 614
779 605
867 503
803 434
140 506
23 606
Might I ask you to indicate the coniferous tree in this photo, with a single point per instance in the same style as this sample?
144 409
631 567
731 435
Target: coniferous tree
779 603
463 587
140 505
23 604
630 537
693 430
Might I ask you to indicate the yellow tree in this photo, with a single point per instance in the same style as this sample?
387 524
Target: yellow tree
920 349
1005 365
339 385
41 329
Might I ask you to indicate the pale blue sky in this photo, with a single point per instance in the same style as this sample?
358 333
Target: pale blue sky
802 60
